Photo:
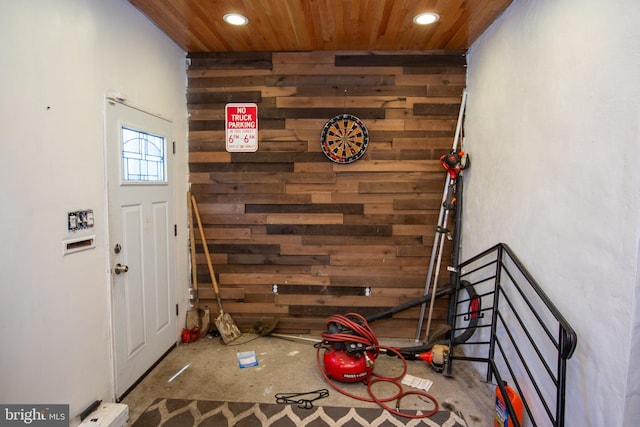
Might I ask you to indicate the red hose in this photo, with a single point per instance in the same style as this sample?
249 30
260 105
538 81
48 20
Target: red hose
366 336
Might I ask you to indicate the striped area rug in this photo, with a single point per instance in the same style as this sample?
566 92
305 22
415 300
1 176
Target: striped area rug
202 413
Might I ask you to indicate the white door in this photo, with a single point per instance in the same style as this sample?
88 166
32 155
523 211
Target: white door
141 240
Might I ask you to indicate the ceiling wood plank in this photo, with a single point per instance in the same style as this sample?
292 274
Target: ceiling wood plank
321 25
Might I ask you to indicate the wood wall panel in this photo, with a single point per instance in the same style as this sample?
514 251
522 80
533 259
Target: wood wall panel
333 238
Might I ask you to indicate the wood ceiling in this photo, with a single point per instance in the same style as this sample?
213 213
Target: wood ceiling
308 25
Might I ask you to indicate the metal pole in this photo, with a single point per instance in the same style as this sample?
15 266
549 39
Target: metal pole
441 219
435 279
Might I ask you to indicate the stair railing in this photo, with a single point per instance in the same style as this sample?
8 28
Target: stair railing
519 333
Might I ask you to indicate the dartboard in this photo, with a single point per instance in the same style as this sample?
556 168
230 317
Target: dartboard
344 138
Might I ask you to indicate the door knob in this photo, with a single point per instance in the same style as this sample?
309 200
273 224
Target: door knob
119 268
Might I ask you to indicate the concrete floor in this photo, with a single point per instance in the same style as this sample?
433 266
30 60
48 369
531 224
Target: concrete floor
287 366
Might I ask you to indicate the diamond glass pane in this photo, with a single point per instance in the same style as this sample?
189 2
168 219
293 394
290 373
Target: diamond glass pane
143 156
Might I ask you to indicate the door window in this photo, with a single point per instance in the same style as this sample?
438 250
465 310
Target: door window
143 156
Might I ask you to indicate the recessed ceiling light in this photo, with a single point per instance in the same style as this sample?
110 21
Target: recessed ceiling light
426 18
235 19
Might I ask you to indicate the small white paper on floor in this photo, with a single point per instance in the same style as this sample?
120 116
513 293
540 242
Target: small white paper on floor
247 359
417 382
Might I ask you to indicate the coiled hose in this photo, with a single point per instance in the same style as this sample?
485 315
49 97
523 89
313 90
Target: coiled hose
362 333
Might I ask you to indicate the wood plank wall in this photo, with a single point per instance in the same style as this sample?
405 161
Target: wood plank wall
324 233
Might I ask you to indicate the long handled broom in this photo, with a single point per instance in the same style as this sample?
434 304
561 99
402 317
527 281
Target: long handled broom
224 323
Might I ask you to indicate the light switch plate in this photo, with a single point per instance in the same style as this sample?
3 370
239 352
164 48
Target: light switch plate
80 220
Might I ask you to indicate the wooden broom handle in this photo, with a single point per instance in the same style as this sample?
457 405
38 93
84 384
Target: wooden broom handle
192 241
204 244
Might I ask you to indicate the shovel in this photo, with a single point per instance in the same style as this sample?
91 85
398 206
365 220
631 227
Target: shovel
196 316
224 323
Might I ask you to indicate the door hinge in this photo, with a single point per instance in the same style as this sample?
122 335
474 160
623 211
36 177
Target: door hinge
175 229
177 310
174 147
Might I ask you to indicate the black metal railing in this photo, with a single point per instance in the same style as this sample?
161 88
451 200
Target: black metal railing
518 332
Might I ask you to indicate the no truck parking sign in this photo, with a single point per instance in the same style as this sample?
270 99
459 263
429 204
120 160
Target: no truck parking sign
241 124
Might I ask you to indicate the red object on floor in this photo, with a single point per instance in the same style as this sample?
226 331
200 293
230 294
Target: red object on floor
503 418
426 356
190 335
344 367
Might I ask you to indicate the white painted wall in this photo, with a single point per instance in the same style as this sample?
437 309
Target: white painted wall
552 127
58 60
